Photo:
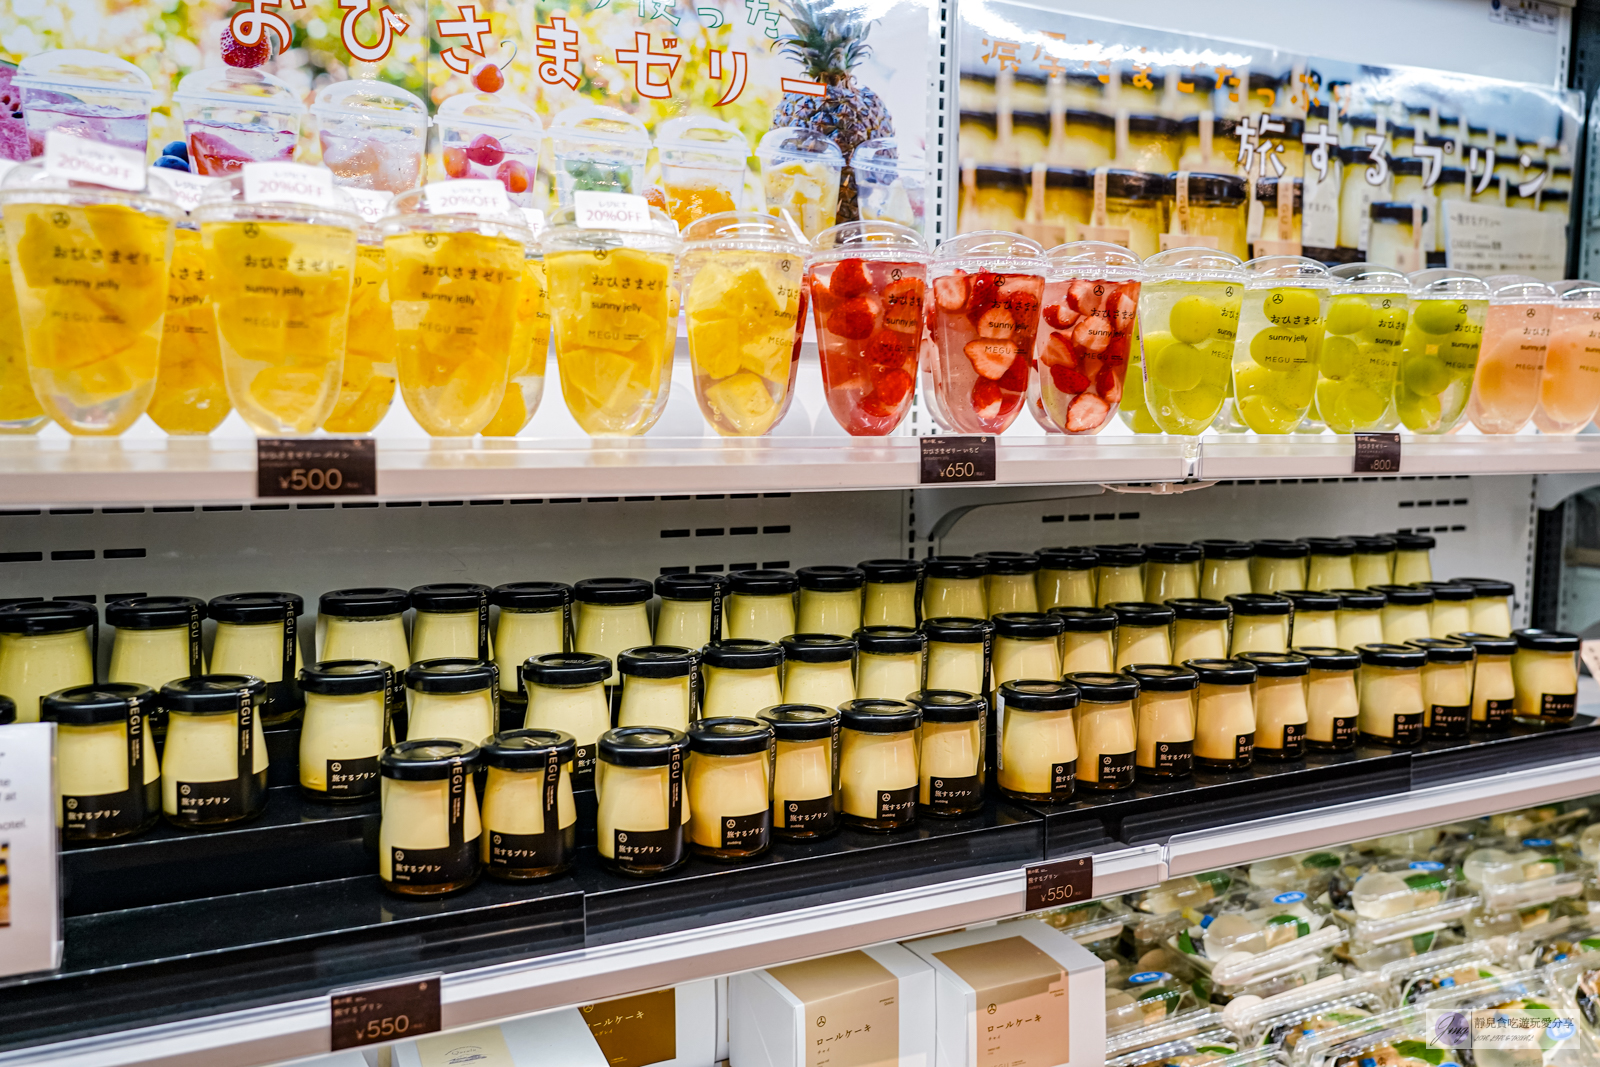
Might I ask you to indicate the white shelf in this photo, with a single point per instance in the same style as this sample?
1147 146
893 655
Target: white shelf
1247 456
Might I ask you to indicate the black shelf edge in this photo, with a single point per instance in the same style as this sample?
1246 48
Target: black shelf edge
1519 747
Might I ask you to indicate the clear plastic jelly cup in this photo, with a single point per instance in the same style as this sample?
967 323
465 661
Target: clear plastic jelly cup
867 282
530 348
614 319
1091 306
1516 337
703 162
484 136
20 412
191 397
598 149
87 94
987 290
891 181
366 385
233 116
89 267
1439 352
373 134
1569 389
800 171
1188 318
1361 346
1280 340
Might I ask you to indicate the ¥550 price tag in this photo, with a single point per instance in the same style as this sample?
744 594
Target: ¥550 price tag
1059 883
317 466
957 459
385 1013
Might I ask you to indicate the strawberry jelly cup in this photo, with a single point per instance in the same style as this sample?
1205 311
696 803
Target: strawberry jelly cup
234 116
867 281
987 289
1091 303
484 136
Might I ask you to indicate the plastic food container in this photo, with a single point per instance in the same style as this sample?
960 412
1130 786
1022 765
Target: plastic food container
373 135
1280 337
233 116
1091 304
1511 873
530 347
1569 389
1146 998
1439 352
191 395
366 386
1516 336
598 149
1188 317
85 94
1401 898
702 167
891 181
1289 924
20 412
1360 349
800 172
491 137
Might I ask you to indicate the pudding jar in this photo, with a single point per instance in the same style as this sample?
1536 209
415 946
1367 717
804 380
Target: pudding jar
1372 562
1360 617
1011 582
108 783
691 609
1163 721
1144 633
45 645
1331 563
889 597
567 691
805 770
1446 687
878 774
214 767
1390 681
530 821
1091 302
1119 574
1516 337
535 620
1088 639
1026 645
1171 572
1451 611
258 634
818 669
1036 749
1260 623
1281 323
157 639
1494 688
1107 737
1279 564
1225 569
452 698
1199 629
730 787
1491 605
830 600
741 677
889 662
1405 612
451 622
1545 671
1188 318
428 838
959 654
1315 619
1224 715
952 587
346 724
1333 704
659 687
612 614
366 623
1066 578
1439 354
760 606
1413 557
642 809
950 752
1282 712
1569 389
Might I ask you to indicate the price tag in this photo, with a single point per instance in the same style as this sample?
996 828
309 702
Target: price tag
79 159
315 467
1059 883
957 459
384 1013
1377 453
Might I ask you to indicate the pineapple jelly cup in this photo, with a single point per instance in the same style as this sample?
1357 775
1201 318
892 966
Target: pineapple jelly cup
372 134
491 137
599 149
455 285
745 305
530 345
1280 340
20 411
366 385
233 116
1361 347
614 320
866 282
280 275
800 172
89 269
1188 316
191 396
1439 351
1091 303
1516 338
702 167
1569 392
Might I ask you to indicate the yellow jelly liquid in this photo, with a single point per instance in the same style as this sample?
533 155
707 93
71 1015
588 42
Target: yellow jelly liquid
690 202
366 388
1187 330
530 343
1134 411
91 287
1438 357
742 313
191 396
614 320
1275 361
455 299
19 408
1360 355
282 292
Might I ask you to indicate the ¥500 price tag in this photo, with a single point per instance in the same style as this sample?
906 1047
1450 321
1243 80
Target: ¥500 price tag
315 467
1059 883
385 1013
1377 453
957 459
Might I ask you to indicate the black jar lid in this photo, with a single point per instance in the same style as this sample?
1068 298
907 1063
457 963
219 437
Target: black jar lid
763 583
1085 620
1126 555
800 722
450 596
830 579
1276 548
1536 640
428 760
1222 671
642 746
730 735
1372 546
1172 552
1100 687
1487 586
1162 677
448 674
1359 599
890 640
1328 658
1413 542
1309 600
818 648
1410 595
1141 613
48 616
89 705
529 749
559 668
949 705
954 567
690 586
872 715
1023 625
1222 548
1041 694
953 630
1331 546
346 677
1487 644
247 608
154 612
1010 562
211 693
531 596
611 591
742 653
1226 188
655 661
1277 664
1449 590
1385 654
890 571
8 711
1067 559
364 603
1444 650
1259 604
1199 607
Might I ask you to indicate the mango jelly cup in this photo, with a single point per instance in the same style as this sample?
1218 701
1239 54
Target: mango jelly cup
703 162
191 397
1439 351
20 412
1361 347
89 267
280 274
597 149
1569 391
455 283
1516 338
485 136
530 347
1188 318
366 385
745 307
1279 341
1086 332
614 319
373 134
234 116
800 172
86 94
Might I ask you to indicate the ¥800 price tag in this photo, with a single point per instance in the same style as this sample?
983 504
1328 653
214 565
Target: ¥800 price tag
957 459
1059 882
1377 453
385 1013
313 467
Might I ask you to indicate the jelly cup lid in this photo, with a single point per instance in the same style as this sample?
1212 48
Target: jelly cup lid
703 136
612 591
1446 282
890 570
1162 677
876 716
245 89
247 609
642 746
489 114
742 653
796 143
323 202
1546 640
954 630
1094 259
1028 625
800 722
1577 291
429 207
1518 289
741 231
371 102
992 246
1268 272
69 69
870 239
27 183
949 705
1195 263
598 124
1369 277
889 155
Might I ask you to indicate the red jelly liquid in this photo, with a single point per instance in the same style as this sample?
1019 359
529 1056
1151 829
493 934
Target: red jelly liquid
1082 352
983 327
869 328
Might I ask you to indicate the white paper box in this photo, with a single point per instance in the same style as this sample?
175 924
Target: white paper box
872 1008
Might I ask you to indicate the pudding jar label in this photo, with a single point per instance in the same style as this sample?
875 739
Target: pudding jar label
352 777
109 813
1344 731
1294 737
811 815
1244 746
214 800
648 848
1558 707
1449 720
584 762
1408 728
1116 768
1061 778
953 792
432 866
747 831
1174 757
1497 713
520 851
897 803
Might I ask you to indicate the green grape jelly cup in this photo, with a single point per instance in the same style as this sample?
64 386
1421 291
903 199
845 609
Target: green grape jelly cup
1280 340
1188 317
1361 347
1439 350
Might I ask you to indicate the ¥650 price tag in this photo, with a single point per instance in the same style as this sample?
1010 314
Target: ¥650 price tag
957 459
1059 883
313 467
1377 453
385 1013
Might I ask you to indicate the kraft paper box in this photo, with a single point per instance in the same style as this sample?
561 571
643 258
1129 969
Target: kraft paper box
667 1028
871 1008
1020 994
